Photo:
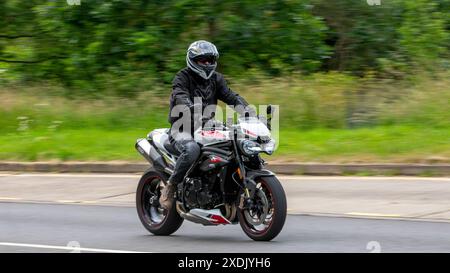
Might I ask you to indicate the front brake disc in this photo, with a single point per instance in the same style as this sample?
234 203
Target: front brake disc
261 219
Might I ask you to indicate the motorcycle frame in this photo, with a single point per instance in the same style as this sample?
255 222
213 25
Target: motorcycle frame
247 177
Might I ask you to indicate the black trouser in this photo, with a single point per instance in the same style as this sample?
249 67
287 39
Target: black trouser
189 152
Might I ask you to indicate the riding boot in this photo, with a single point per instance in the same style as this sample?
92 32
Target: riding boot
167 196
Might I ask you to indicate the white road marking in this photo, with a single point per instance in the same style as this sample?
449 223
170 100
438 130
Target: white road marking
281 177
76 175
89 202
9 198
373 214
69 248
67 201
379 178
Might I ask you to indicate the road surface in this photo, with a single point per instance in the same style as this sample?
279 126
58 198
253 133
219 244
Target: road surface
53 213
107 228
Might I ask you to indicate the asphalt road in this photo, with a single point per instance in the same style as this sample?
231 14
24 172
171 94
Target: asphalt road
28 227
380 197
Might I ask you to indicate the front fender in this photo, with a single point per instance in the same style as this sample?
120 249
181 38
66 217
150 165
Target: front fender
251 175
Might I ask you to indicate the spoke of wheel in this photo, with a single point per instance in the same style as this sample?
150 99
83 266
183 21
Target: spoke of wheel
150 192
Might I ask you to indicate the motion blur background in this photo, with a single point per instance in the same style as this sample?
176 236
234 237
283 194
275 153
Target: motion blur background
355 81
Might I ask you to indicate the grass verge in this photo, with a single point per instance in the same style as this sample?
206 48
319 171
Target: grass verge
379 144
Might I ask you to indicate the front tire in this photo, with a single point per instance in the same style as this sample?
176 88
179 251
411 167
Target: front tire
270 204
155 219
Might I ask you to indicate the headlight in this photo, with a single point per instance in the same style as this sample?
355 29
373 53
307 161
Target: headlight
269 147
250 147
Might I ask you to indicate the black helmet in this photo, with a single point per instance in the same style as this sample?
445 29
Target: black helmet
202 58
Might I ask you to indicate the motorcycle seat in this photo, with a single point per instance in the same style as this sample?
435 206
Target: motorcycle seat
170 148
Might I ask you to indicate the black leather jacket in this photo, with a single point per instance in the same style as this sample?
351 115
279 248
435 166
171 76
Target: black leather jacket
187 85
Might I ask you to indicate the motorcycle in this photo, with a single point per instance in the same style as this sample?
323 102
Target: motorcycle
227 184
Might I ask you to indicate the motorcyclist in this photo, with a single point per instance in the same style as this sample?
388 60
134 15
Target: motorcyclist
198 79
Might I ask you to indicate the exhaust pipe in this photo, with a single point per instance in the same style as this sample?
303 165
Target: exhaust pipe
149 152
195 219
205 217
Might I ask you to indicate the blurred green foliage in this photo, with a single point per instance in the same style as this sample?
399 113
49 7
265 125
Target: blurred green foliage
392 39
415 127
123 47
402 121
82 82
320 100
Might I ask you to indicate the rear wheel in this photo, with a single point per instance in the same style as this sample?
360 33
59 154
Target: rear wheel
155 219
264 219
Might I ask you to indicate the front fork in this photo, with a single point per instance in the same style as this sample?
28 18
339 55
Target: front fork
248 178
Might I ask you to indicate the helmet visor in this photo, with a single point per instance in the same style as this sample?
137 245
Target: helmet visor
205 60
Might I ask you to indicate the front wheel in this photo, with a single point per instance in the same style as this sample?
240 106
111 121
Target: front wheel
155 219
264 219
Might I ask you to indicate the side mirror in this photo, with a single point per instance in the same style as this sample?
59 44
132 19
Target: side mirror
269 112
269 109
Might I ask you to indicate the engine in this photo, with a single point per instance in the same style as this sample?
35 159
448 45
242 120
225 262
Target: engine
199 193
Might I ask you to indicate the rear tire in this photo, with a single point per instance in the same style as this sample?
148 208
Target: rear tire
276 211
155 219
